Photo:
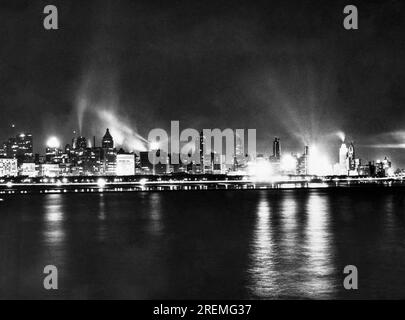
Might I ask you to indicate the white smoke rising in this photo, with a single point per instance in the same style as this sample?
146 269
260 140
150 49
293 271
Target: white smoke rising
341 135
121 131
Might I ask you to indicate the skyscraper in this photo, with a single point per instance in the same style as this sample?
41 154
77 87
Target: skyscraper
25 148
303 162
107 141
276 149
12 148
351 164
109 154
20 148
343 165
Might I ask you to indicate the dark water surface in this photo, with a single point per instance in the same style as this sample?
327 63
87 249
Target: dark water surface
205 244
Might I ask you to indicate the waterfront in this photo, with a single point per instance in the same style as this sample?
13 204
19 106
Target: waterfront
261 244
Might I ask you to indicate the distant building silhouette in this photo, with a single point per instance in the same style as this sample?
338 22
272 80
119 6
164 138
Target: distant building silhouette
276 149
108 141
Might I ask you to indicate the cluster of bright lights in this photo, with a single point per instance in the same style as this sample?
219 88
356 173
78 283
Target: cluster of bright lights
288 163
53 143
318 163
260 170
101 183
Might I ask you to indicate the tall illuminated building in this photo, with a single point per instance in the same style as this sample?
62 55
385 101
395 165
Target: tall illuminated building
12 148
343 164
109 154
108 141
20 148
25 151
303 163
351 163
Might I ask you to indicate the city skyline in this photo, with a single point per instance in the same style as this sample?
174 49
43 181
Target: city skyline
268 150
235 66
83 156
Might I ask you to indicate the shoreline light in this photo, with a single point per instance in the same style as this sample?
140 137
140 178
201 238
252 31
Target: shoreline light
101 183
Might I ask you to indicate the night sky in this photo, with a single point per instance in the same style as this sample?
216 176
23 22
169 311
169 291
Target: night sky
285 68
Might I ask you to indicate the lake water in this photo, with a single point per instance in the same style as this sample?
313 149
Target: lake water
261 244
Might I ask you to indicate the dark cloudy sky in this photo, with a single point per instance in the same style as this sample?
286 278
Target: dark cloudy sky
285 68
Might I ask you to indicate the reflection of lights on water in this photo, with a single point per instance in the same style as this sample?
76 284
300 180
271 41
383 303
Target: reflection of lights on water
288 213
101 211
262 266
54 236
318 243
53 215
318 163
54 232
156 224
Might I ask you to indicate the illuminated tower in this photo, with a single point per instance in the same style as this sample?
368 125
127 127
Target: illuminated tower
350 152
25 148
343 153
109 154
302 165
107 141
350 157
